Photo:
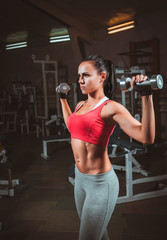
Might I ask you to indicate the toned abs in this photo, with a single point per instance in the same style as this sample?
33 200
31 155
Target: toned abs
90 158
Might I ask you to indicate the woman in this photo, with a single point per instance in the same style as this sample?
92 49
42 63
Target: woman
96 184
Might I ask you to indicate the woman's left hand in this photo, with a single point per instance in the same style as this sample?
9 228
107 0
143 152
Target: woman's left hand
137 79
143 90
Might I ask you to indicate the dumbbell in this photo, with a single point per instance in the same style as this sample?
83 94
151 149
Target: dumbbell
63 89
155 82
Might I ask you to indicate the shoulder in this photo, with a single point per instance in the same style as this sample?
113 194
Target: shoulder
113 107
113 111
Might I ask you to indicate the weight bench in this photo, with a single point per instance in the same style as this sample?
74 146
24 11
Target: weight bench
54 138
130 149
127 147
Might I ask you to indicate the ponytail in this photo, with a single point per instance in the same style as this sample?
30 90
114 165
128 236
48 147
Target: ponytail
110 81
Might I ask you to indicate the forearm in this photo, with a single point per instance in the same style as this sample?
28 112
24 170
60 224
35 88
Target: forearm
65 109
148 119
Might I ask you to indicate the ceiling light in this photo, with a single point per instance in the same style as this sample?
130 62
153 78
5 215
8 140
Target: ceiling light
121 27
16 45
62 38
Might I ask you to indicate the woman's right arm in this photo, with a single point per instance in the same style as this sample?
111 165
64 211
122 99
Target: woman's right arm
65 110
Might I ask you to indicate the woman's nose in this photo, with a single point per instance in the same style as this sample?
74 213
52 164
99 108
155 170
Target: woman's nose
81 80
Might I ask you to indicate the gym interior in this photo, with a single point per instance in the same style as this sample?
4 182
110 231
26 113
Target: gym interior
41 44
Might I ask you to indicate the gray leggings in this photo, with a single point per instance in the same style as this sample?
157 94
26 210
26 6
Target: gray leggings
95 198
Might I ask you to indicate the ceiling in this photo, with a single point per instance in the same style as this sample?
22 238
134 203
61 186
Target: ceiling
34 19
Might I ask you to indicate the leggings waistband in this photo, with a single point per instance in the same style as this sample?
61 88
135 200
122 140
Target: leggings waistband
95 177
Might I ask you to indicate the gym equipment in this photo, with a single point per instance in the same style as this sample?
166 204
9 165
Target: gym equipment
60 137
49 82
63 88
25 94
155 82
121 75
57 123
3 157
9 190
55 138
10 183
48 101
9 120
129 150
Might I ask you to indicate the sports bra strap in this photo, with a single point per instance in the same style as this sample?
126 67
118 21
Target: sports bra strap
101 101
79 106
97 105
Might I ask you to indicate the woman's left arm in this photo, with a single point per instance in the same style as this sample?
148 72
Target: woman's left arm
143 131
148 119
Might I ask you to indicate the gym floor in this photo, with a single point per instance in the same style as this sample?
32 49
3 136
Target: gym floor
43 205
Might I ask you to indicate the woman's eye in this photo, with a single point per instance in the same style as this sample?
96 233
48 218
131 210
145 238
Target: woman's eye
83 75
86 75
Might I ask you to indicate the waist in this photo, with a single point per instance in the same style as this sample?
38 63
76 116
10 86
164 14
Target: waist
101 177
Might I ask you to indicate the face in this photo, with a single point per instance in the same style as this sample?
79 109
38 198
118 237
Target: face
89 78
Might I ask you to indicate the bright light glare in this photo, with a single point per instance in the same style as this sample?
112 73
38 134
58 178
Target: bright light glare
16 45
121 25
60 40
121 29
63 38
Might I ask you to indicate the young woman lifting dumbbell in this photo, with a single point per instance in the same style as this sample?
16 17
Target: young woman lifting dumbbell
91 125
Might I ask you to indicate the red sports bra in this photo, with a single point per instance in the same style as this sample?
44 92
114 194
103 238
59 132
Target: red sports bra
90 127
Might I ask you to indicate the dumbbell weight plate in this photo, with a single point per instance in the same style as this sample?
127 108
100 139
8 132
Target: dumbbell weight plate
156 82
125 84
64 88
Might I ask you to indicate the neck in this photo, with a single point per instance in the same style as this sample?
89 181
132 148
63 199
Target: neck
94 97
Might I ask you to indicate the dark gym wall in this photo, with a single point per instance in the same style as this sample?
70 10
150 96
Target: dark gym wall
17 65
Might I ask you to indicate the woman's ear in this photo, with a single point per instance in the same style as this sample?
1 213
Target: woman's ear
103 76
